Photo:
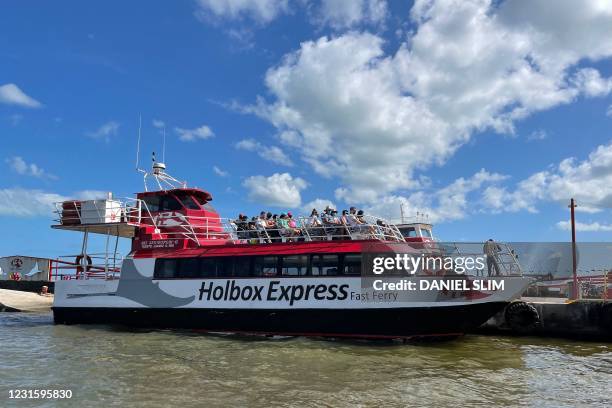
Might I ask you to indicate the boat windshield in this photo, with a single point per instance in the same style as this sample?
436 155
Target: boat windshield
157 203
187 200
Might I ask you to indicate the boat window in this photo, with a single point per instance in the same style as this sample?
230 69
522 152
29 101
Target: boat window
265 266
409 232
426 232
295 265
187 200
162 203
188 268
209 267
152 203
326 265
169 203
165 268
208 207
242 266
351 264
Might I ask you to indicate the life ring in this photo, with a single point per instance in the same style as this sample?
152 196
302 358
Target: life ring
522 317
79 262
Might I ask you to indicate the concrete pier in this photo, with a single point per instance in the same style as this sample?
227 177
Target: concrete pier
554 317
18 301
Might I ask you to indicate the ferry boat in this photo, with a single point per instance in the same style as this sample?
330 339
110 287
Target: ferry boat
189 268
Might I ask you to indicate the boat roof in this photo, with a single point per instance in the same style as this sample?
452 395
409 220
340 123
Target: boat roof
198 193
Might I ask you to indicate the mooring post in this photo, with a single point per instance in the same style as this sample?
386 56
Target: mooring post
574 263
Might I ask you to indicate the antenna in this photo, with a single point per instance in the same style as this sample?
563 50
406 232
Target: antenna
164 145
138 144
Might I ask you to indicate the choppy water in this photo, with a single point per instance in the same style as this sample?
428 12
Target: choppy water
109 367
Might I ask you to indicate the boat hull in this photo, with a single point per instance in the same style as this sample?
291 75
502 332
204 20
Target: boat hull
404 322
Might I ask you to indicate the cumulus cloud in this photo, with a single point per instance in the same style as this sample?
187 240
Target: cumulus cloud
105 132
20 166
374 118
279 190
452 202
590 82
20 202
587 181
318 203
10 94
270 153
342 14
219 172
584 227
260 11
27 203
191 135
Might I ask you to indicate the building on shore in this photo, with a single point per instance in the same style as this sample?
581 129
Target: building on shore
25 268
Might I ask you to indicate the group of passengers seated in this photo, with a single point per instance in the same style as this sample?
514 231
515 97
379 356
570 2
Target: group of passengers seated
327 225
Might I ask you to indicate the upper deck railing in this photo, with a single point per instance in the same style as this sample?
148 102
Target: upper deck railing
103 215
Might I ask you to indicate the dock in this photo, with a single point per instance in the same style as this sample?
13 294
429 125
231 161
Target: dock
554 317
19 301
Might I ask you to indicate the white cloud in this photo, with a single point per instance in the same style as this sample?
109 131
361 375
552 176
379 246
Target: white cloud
10 94
452 202
27 203
342 14
19 166
587 181
537 135
590 82
158 123
609 111
260 11
590 227
271 153
219 172
105 132
191 135
20 202
90 195
373 119
279 190
319 203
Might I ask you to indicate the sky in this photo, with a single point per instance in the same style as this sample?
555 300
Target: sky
488 116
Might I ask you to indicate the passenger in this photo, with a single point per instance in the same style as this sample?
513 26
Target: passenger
284 228
345 222
491 249
314 226
241 226
365 226
273 228
261 226
334 221
294 225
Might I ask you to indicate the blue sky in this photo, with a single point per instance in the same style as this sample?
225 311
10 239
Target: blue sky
469 111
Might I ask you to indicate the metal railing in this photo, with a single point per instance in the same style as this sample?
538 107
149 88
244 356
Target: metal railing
502 262
91 266
104 211
176 224
197 229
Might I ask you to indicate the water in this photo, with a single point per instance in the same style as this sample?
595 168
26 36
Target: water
110 367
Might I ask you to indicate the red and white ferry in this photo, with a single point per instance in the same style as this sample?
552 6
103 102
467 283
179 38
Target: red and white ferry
189 268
